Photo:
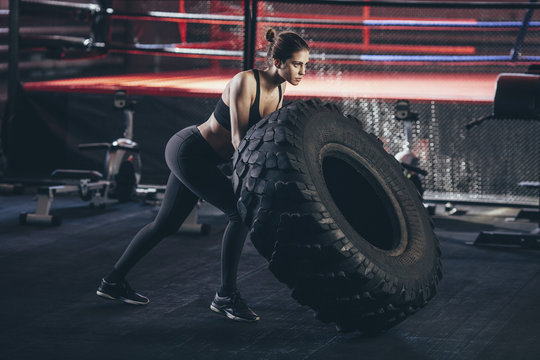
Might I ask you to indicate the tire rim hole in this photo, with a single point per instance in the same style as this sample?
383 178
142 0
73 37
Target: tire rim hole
362 202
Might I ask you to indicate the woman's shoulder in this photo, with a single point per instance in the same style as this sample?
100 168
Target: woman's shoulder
246 75
244 79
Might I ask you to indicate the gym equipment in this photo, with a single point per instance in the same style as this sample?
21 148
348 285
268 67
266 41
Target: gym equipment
153 195
517 96
408 160
118 184
122 173
335 217
9 189
87 183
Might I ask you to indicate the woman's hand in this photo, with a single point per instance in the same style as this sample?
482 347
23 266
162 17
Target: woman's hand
236 142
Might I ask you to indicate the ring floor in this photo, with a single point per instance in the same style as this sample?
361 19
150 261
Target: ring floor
486 306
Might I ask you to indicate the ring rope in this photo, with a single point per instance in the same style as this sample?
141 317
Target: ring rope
421 58
239 19
350 22
426 4
402 23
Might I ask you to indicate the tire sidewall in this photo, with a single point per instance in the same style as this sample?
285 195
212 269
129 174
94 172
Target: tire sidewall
330 133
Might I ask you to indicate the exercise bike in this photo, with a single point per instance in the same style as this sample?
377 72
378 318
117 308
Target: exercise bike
408 159
117 184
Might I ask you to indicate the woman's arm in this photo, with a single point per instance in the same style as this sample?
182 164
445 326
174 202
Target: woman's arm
240 93
283 87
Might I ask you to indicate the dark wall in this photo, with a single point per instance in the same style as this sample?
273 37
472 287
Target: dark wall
49 127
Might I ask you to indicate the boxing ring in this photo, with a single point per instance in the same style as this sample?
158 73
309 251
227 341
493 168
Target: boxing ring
444 57
198 83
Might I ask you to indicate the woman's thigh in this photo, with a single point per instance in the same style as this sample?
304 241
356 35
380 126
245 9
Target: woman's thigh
195 163
178 201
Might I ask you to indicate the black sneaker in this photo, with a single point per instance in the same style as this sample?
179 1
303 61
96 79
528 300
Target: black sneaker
234 307
121 291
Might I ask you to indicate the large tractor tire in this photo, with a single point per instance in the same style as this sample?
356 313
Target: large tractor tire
336 218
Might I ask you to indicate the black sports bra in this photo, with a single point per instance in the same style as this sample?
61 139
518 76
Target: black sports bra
223 115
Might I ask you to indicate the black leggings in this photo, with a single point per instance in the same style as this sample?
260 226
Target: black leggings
194 174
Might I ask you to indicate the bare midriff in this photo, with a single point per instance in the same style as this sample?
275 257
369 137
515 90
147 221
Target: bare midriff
217 136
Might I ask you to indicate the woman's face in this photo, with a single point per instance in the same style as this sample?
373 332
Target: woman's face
294 68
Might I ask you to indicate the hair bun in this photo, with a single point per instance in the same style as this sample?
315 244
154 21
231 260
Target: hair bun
270 35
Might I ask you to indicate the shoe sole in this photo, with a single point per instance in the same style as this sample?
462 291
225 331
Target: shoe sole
124 300
231 316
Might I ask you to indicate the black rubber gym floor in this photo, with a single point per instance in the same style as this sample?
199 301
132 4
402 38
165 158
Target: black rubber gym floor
487 306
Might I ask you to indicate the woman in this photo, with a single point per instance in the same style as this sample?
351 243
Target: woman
193 155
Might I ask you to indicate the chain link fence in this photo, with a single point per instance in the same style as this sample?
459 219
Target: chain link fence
484 164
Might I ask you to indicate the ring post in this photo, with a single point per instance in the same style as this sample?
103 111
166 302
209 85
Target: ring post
514 53
250 29
247 32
